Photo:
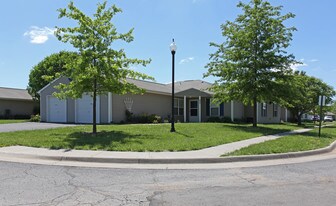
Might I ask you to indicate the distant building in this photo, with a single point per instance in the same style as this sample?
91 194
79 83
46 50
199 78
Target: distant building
16 103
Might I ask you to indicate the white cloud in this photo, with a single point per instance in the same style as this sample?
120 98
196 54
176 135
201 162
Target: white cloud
186 60
39 35
296 67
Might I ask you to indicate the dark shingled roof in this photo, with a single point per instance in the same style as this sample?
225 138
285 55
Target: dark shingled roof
166 88
151 86
14 94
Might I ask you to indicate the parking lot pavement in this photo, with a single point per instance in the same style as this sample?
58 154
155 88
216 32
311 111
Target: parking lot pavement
30 126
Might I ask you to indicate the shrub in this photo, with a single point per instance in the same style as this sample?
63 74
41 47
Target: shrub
128 116
158 119
21 116
240 121
214 119
143 118
226 120
35 118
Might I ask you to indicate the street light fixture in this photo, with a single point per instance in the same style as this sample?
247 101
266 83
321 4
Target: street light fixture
173 51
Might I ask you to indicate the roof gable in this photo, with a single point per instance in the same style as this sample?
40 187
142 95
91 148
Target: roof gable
193 93
53 83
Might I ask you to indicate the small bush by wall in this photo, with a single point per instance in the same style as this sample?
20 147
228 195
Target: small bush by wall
143 118
35 118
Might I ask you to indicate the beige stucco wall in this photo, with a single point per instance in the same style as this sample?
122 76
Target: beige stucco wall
283 115
269 118
146 103
17 107
238 110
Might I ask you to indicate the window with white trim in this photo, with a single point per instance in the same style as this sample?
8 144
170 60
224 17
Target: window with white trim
178 107
214 109
264 109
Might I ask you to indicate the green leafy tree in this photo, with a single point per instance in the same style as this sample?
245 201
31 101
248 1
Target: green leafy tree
302 93
333 107
47 70
252 60
100 68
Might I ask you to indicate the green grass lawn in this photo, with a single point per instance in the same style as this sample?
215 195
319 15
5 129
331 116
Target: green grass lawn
292 143
9 121
152 137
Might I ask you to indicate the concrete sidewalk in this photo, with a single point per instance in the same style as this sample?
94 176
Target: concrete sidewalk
208 155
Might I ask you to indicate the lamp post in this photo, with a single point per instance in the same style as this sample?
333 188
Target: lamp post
173 51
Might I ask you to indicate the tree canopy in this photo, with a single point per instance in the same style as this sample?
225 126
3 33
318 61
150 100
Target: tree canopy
252 60
302 94
47 70
100 68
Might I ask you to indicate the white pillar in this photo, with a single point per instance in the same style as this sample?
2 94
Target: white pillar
185 109
199 109
232 111
109 107
286 115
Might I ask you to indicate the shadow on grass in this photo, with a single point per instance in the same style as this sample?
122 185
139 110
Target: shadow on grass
261 129
104 140
326 132
185 135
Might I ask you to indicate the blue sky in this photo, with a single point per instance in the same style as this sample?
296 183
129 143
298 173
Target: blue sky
27 27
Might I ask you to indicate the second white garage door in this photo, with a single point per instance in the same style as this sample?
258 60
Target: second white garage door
84 110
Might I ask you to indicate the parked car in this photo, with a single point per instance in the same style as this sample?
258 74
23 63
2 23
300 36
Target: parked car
315 118
328 119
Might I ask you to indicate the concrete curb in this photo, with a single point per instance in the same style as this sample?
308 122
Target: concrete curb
175 161
328 149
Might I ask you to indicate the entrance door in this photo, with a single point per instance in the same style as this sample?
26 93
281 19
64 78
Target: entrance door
193 110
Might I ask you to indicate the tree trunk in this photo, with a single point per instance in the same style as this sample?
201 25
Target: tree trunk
94 124
299 116
255 107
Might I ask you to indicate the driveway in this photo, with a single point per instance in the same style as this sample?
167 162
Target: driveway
30 126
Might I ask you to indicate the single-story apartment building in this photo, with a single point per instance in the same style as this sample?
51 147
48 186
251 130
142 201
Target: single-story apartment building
192 104
16 103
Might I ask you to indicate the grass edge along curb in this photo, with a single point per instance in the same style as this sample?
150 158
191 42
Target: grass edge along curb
243 158
178 161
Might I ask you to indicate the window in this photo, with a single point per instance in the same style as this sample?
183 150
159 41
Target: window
264 109
194 108
275 110
214 109
178 107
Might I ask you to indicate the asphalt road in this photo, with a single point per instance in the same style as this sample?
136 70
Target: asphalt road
311 183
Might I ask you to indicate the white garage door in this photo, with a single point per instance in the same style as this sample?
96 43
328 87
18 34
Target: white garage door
56 110
84 110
